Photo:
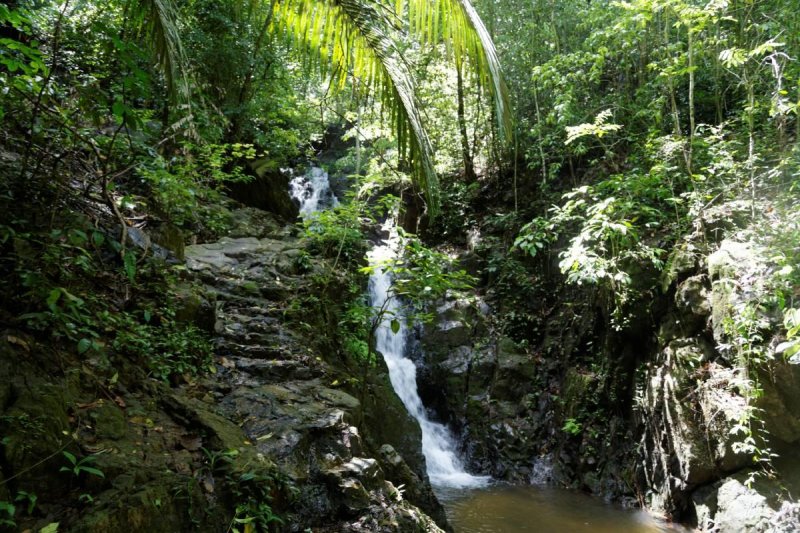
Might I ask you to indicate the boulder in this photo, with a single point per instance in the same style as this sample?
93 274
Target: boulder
515 371
731 506
170 237
269 191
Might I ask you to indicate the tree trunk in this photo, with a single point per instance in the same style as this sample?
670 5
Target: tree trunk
466 153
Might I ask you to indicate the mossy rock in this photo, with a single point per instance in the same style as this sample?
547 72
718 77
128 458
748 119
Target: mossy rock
194 306
38 421
109 421
167 505
170 237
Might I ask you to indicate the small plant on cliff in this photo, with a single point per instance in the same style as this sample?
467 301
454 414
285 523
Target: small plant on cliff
7 512
253 516
78 466
572 427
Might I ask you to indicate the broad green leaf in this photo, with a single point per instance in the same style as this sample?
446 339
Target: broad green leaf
93 471
84 345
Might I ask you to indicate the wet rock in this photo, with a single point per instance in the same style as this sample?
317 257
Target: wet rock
194 306
354 497
280 370
221 433
515 371
169 237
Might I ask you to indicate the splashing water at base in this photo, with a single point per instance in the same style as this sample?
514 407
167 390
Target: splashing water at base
438 446
313 191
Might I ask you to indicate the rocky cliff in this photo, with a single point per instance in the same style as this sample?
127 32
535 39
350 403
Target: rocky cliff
679 411
274 434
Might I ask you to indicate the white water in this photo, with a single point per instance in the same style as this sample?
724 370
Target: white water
444 467
313 191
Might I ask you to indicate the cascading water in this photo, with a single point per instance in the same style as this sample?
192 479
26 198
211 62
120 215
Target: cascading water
438 446
313 191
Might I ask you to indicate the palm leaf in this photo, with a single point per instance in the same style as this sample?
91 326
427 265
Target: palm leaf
461 28
158 20
356 38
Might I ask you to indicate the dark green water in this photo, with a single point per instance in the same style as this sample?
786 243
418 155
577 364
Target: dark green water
505 509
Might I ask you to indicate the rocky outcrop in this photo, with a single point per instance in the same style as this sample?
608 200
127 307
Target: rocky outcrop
669 412
274 434
274 382
714 399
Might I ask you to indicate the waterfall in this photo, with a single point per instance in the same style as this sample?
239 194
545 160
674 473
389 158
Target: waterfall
445 469
313 191
438 445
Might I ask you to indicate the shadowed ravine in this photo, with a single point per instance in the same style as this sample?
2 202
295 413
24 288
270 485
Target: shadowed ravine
474 503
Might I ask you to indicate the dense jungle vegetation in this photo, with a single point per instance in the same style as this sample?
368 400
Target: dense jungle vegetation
618 181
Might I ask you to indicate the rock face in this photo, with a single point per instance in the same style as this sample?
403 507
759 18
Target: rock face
713 398
668 413
268 191
274 384
271 434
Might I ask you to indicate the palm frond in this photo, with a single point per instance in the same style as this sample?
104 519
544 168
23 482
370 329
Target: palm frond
354 38
468 40
158 20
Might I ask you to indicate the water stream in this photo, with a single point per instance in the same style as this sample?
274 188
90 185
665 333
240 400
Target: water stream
438 445
313 191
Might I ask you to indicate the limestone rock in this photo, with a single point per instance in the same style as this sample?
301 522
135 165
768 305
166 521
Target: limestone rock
692 296
722 410
741 509
683 260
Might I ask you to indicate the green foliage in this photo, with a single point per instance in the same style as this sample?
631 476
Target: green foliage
790 348
457 211
251 490
336 233
421 274
606 246
218 461
50 268
167 347
21 57
76 466
572 427
7 512
354 326
599 128
187 190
